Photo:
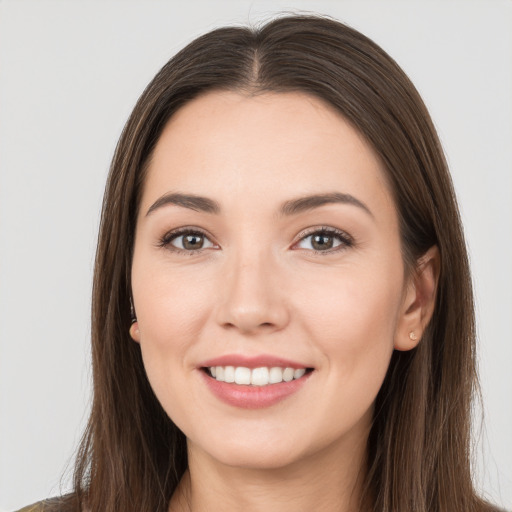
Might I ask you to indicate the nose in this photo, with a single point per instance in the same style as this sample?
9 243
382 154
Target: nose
252 297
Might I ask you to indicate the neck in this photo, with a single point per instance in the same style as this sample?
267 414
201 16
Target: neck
329 480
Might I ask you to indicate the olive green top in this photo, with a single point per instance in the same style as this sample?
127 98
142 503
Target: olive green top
40 506
36 507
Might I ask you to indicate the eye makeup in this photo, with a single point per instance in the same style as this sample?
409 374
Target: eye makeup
192 240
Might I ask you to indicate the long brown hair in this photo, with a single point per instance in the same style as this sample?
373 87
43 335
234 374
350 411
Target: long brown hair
132 456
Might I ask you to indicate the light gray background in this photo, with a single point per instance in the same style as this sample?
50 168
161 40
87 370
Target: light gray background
70 73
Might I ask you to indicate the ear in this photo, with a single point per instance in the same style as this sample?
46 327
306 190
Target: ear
135 332
419 301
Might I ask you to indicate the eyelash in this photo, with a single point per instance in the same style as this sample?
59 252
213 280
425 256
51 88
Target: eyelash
346 240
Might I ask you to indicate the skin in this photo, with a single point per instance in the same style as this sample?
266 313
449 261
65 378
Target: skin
258 287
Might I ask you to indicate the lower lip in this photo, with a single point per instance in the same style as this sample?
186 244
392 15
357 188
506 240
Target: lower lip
253 397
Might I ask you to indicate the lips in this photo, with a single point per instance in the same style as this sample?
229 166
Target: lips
253 382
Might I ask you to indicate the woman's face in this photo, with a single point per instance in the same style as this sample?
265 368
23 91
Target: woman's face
267 239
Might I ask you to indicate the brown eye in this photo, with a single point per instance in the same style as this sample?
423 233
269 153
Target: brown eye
321 242
325 240
193 242
187 241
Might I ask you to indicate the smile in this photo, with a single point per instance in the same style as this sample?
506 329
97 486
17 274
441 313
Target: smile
254 382
262 376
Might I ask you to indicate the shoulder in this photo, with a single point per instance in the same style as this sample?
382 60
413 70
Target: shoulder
35 507
50 505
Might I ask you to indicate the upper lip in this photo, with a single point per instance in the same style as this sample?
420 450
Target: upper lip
259 361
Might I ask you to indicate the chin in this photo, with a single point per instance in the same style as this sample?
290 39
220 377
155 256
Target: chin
271 448
256 457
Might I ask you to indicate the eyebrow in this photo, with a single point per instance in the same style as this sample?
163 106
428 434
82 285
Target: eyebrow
306 203
191 201
288 208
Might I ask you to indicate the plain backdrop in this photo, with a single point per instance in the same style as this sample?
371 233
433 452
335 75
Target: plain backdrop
70 73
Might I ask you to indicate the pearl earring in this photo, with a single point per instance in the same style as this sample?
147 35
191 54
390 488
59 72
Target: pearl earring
134 331
412 336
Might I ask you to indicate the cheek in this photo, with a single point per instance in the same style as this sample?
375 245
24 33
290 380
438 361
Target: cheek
352 319
171 310
170 305
352 303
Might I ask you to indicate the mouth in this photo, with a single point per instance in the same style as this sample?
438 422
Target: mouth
256 381
255 377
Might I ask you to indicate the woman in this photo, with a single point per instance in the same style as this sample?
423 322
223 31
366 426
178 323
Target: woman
282 305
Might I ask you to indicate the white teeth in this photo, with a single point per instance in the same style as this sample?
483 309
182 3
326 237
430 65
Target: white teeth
276 375
257 376
297 374
242 375
288 374
229 374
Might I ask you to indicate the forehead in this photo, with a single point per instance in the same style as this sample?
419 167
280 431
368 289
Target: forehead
264 147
